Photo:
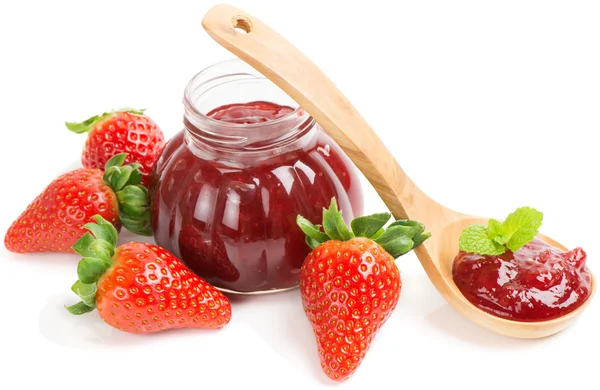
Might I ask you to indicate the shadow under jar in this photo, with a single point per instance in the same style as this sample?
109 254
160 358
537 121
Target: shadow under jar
227 189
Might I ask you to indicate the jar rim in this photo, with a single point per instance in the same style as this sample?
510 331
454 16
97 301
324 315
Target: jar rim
194 83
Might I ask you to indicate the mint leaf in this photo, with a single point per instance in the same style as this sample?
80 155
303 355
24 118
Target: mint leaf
522 226
496 232
519 228
476 239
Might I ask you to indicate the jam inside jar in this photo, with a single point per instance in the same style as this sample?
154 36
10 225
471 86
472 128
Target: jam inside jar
227 189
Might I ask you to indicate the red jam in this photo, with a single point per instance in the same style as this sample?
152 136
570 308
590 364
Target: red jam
536 283
233 221
249 113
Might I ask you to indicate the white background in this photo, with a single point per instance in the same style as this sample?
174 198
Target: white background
488 105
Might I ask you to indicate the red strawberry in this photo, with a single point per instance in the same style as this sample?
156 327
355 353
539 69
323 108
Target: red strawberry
350 284
206 257
54 221
142 288
123 131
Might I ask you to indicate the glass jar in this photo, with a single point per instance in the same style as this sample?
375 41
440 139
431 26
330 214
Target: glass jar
227 189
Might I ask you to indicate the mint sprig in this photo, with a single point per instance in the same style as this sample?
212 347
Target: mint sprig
399 238
518 229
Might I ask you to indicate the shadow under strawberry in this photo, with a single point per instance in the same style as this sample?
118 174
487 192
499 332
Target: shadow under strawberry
207 258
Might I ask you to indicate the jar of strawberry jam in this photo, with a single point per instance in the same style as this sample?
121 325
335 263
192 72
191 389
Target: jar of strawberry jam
227 189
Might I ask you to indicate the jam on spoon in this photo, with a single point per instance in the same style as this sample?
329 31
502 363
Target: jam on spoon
536 283
525 281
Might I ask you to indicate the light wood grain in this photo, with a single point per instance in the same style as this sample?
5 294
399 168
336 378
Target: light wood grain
299 77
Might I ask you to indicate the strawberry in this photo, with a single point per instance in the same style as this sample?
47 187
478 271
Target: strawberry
55 220
350 284
122 131
140 287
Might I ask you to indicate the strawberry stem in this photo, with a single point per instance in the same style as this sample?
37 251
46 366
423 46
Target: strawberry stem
399 238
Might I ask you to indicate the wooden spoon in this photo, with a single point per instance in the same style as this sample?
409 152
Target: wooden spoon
272 55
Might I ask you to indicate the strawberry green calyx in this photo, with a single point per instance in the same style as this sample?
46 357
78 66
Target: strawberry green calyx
134 209
97 248
397 239
88 124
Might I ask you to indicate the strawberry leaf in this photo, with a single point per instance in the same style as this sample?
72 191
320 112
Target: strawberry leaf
377 235
137 111
134 209
311 242
88 124
85 126
90 269
334 224
419 238
399 246
102 230
419 227
97 252
103 250
87 292
116 161
312 231
369 225
400 237
83 244
136 176
134 205
79 308
124 176
397 240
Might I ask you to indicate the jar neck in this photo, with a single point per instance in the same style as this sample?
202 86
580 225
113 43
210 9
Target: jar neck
235 82
248 138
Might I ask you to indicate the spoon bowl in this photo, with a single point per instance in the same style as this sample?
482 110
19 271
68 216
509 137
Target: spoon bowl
438 266
269 53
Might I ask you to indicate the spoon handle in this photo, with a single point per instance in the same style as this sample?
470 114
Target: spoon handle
272 55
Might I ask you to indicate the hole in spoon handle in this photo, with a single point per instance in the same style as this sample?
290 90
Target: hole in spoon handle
242 24
276 58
